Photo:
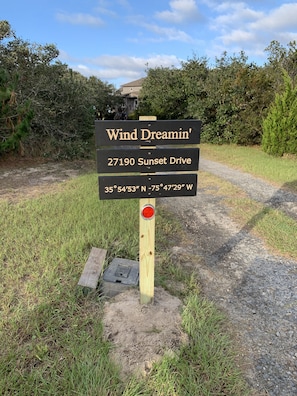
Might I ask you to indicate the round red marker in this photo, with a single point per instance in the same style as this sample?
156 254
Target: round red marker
148 212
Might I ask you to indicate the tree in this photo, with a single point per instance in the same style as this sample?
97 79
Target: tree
163 94
15 114
280 125
194 75
103 97
230 99
46 108
237 97
282 58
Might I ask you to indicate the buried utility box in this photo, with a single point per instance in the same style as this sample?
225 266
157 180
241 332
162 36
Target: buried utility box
120 275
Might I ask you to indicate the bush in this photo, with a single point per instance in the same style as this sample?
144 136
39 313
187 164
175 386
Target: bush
280 125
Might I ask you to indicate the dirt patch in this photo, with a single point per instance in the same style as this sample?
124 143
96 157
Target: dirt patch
28 179
142 334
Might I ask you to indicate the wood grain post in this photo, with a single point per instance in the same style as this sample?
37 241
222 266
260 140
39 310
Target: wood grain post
146 247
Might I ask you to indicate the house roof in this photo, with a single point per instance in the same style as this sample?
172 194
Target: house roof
135 83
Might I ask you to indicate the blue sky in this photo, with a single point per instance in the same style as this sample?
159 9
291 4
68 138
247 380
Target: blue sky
117 40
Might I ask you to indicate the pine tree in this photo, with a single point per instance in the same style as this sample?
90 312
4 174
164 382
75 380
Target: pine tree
280 125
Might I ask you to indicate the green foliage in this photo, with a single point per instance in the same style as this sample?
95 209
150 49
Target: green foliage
171 93
230 99
163 94
14 117
237 94
46 108
19 130
194 76
281 58
280 125
49 110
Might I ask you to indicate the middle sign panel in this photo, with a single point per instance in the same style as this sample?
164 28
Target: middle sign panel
147 160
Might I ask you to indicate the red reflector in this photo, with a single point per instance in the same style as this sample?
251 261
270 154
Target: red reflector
148 212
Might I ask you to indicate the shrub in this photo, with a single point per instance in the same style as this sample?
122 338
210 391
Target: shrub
280 125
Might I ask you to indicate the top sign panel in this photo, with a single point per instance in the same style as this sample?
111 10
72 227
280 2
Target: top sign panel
147 133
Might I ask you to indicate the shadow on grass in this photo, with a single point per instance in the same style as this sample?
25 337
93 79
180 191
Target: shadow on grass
283 200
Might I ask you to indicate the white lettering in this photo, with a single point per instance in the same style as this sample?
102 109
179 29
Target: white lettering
119 134
147 134
152 161
180 161
113 133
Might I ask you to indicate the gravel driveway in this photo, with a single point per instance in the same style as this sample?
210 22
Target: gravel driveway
257 289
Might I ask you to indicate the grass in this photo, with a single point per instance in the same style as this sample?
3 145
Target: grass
281 171
277 229
204 367
274 227
51 333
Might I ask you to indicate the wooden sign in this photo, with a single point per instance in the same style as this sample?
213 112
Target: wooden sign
147 160
144 133
147 186
144 154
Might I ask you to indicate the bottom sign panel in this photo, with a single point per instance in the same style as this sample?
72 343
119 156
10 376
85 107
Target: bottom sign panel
147 186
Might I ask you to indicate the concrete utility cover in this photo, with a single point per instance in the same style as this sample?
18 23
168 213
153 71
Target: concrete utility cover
120 275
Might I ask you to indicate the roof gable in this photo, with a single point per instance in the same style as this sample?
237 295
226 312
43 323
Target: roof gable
135 83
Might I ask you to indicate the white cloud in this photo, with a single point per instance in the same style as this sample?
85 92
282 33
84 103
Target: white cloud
234 15
119 69
105 74
124 4
280 18
107 7
180 11
162 60
243 27
170 34
133 63
238 36
79 19
83 68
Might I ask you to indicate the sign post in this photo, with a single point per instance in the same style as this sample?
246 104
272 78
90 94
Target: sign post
146 163
146 251
147 245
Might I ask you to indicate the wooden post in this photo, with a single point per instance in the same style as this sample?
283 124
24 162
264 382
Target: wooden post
146 247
